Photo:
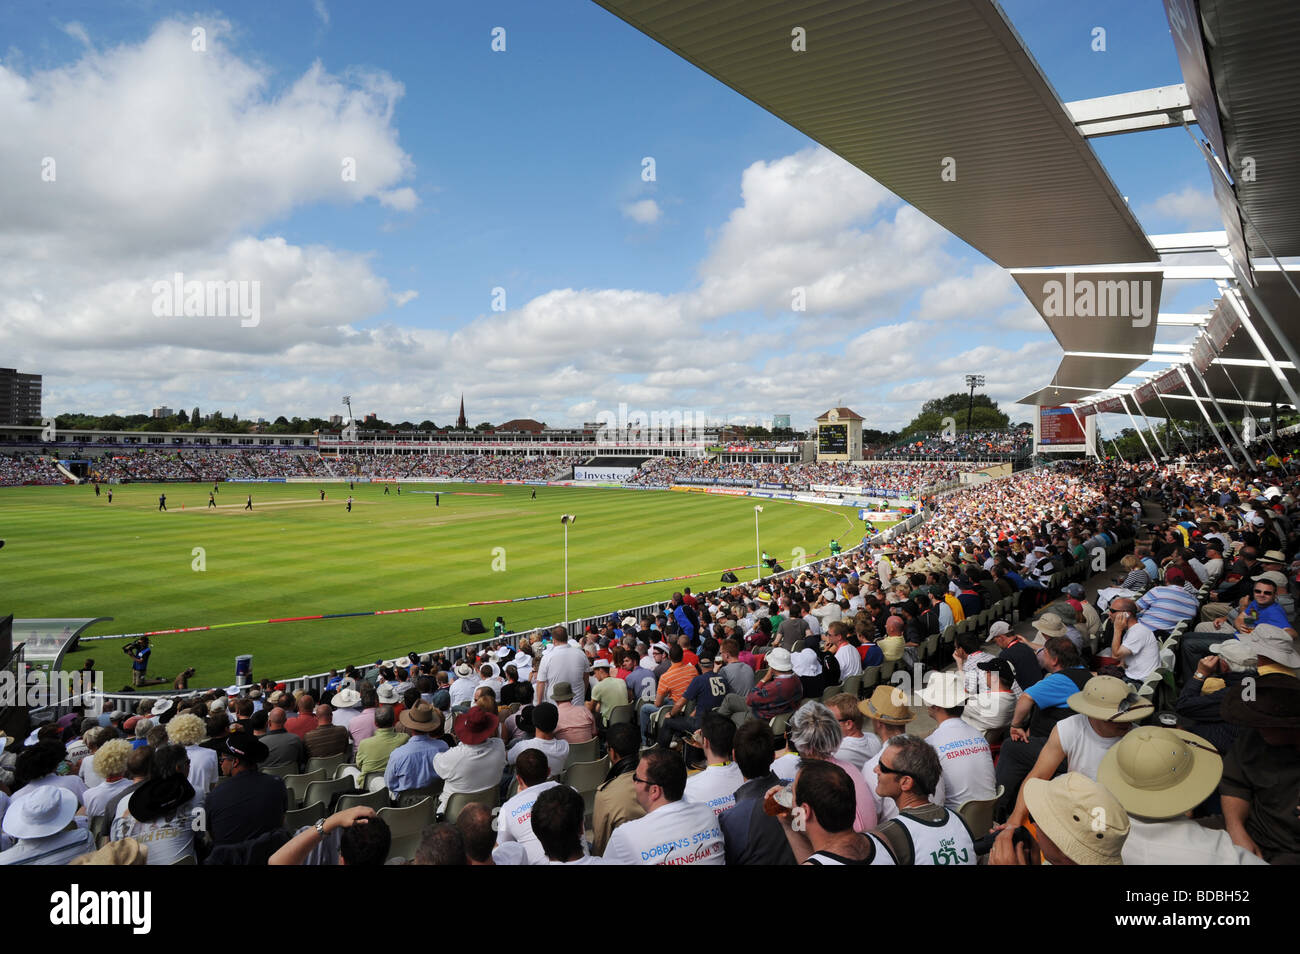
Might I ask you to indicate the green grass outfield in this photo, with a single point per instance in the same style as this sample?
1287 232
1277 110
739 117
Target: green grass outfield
70 553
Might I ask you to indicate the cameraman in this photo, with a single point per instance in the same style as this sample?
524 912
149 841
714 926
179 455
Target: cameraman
139 652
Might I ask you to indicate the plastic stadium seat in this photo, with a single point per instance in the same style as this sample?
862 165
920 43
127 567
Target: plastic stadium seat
301 817
582 752
327 790
870 679
621 714
297 785
406 826
329 763
832 691
978 816
585 777
779 723
950 634
414 795
280 771
853 685
377 799
456 803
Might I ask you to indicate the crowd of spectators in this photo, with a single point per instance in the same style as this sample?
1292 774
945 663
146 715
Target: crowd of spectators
995 445
908 479
16 470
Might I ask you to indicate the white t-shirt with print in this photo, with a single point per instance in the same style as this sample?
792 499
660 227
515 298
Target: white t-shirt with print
515 822
887 808
679 833
967 763
715 787
1084 748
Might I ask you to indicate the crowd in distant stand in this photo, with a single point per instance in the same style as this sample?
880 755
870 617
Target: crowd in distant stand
1012 444
911 479
28 469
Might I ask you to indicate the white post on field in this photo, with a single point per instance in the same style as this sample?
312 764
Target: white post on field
758 550
566 519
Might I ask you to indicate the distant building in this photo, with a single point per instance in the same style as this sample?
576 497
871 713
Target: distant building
462 423
780 422
523 424
839 435
336 420
162 412
372 416
20 397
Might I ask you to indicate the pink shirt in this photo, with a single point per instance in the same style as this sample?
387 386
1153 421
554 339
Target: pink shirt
576 724
361 727
866 817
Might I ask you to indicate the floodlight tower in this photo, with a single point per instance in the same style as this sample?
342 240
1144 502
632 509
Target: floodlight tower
973 381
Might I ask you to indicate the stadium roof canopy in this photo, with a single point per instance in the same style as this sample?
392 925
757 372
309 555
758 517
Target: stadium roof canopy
909 91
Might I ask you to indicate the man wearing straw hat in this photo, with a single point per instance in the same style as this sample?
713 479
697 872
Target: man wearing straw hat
411 765
1107 709
889 714
1159 775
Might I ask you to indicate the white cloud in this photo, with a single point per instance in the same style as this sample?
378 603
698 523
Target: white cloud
645 212
78 32
404 298
1190 208
322 12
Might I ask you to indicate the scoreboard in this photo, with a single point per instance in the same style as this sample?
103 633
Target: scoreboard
832 439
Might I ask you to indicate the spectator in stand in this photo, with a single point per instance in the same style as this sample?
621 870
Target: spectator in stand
564 663
43 829
856 747
963 752
477 761
282 746
250 803
373 753
161 813
412 765
616 801
815 735
326 739
779 691
305 720
908 772
673 831
608 694
515 819
752 836
557 823
545 718
716 785
110 763
575 724
820 826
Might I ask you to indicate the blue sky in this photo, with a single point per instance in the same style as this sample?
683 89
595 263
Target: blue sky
478 170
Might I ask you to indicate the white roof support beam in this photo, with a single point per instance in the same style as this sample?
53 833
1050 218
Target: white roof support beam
1172 242
1158 108
1221 272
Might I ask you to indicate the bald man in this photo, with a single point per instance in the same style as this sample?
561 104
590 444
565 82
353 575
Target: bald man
326 739
285 747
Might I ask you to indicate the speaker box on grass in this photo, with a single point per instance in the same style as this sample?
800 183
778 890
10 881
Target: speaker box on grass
472 627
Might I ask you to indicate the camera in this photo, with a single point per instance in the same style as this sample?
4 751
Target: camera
133 647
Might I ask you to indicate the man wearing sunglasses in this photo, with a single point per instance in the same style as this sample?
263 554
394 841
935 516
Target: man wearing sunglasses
1260 607
908 771
673 830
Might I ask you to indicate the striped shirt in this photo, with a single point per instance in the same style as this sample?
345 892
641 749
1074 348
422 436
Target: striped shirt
676 680
1164 607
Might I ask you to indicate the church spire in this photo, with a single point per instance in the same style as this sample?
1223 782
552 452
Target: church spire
461 423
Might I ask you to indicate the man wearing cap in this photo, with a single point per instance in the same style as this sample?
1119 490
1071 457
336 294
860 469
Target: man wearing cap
1087 619
1108 707
477 762
963 752
544 718
992 708
1078 823
373 753
889 714
411 766
1159 775
42 826
673 830
1261 774
706 692
575 723
779 691
250 803
608 693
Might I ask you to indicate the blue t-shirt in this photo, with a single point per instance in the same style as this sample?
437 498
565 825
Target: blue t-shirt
1271 614
1052 690
142 659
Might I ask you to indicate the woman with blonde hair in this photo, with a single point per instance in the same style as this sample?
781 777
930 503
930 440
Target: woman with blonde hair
110 765
190 731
